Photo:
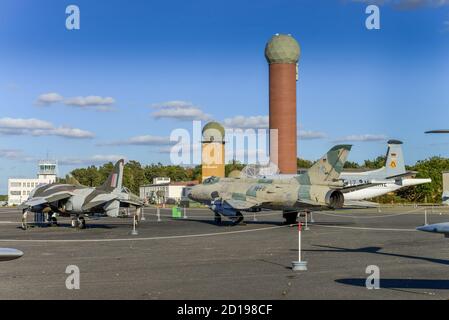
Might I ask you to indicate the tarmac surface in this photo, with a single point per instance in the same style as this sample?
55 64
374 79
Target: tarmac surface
192 258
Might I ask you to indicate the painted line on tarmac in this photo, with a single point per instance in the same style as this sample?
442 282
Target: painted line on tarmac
367 217
144 239
364 228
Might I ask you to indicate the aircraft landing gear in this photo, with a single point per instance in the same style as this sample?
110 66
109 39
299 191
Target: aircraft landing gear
290 217
52 221
82 223
217 219
238 218
78 222
24 220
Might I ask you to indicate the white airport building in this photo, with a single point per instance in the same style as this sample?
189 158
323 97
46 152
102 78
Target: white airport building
19 189
162 189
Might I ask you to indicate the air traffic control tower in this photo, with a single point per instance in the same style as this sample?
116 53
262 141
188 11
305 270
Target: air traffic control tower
213 150
282 53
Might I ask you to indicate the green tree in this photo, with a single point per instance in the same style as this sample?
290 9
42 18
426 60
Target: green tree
432 168
351 165
303 164
233 165
377 163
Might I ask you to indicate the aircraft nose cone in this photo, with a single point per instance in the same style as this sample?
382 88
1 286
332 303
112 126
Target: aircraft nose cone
428 228
191 194
7 254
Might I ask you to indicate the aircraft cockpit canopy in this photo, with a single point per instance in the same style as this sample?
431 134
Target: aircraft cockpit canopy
211 180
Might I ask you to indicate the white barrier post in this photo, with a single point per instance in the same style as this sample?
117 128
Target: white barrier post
185 213
158 210
311 217
306 218
143 214
299 265
425 217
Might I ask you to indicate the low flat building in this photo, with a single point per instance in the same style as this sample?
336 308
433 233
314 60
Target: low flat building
19 189
162 190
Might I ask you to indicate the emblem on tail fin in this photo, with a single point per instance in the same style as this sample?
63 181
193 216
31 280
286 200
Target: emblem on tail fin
394 164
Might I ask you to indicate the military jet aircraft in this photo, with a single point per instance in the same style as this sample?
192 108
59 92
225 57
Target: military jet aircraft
76 201
318 188
391 177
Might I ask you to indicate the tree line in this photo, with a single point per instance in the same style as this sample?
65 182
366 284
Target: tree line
136 175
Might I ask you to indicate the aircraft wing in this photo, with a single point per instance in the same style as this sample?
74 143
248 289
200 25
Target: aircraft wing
360 204
98 201
42 200
132 202
241 204
438 131
7 254
309 202
403 175
359 187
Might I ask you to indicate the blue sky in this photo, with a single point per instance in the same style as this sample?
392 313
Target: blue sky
134 60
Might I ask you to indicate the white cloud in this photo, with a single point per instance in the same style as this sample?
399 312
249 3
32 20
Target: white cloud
310 135
11 153
94 160
146 140
99 103
251 122
362 138
179 110
49 98
187 147
89 101
36 127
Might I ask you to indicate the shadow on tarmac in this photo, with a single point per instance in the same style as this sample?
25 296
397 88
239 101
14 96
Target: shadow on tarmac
400 283
69 226
229 223
376 250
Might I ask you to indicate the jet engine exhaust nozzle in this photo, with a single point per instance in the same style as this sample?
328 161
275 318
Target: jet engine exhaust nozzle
335 199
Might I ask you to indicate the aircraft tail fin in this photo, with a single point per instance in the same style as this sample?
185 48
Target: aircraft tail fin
330 166
115 179
395 164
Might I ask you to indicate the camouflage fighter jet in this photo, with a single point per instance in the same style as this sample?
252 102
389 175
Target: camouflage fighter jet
76 201
318 188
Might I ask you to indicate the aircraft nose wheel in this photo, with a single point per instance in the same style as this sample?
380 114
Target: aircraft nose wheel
53 222
290 217
79 223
